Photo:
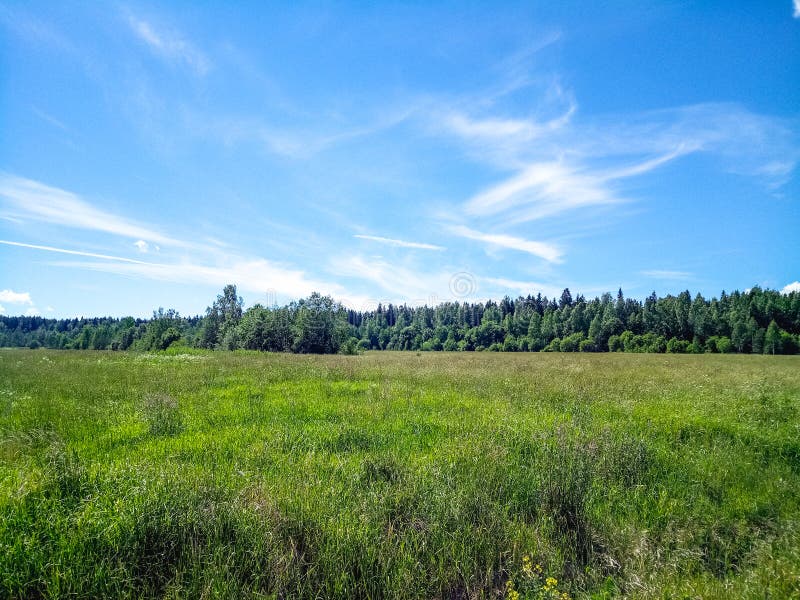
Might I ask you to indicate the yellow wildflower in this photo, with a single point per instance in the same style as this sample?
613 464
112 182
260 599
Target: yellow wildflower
527 567
511 593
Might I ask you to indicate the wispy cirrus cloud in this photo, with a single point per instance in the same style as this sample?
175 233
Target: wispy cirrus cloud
206 264
301 139
547 251
73 252
399 243
399 282
48 118
170 45
34 200
563 165
252 274
32 29
510 130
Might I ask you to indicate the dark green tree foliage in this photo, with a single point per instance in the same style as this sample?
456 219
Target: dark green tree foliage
164 329
319 325
758 321
222 319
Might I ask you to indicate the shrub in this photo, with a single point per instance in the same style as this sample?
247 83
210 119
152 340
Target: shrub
676 346
553 346
350 347
614 344
571 343
724 345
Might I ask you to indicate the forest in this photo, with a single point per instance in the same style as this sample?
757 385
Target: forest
759 321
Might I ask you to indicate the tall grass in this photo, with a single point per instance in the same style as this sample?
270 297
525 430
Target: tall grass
395 475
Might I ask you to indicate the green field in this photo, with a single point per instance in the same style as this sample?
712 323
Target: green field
446 475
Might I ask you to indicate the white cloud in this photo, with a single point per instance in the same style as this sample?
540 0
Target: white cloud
32 312
36 200
564 164
796 13
2 309
406 283
666 274
792 287
544 189
509 130
548 252
170 45
399 243
400 281
249 274
299 142
49 118
50 309
13 297
142 246
75 252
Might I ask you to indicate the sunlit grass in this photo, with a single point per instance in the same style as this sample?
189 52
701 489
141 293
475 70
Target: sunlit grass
398 475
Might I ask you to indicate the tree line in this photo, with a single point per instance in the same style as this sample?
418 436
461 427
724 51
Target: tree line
758 321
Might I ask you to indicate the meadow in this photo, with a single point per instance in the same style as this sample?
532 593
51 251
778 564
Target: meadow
398 475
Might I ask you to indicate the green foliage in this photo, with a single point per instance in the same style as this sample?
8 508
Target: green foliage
350 347
772 339
319 325
571 343
676 346
759 321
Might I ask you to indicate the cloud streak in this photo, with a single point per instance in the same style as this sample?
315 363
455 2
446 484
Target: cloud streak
35 200
170 45
399 243
250 274
548 252
564 165
73 252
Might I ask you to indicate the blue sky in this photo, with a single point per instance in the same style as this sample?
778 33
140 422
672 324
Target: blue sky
150 153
